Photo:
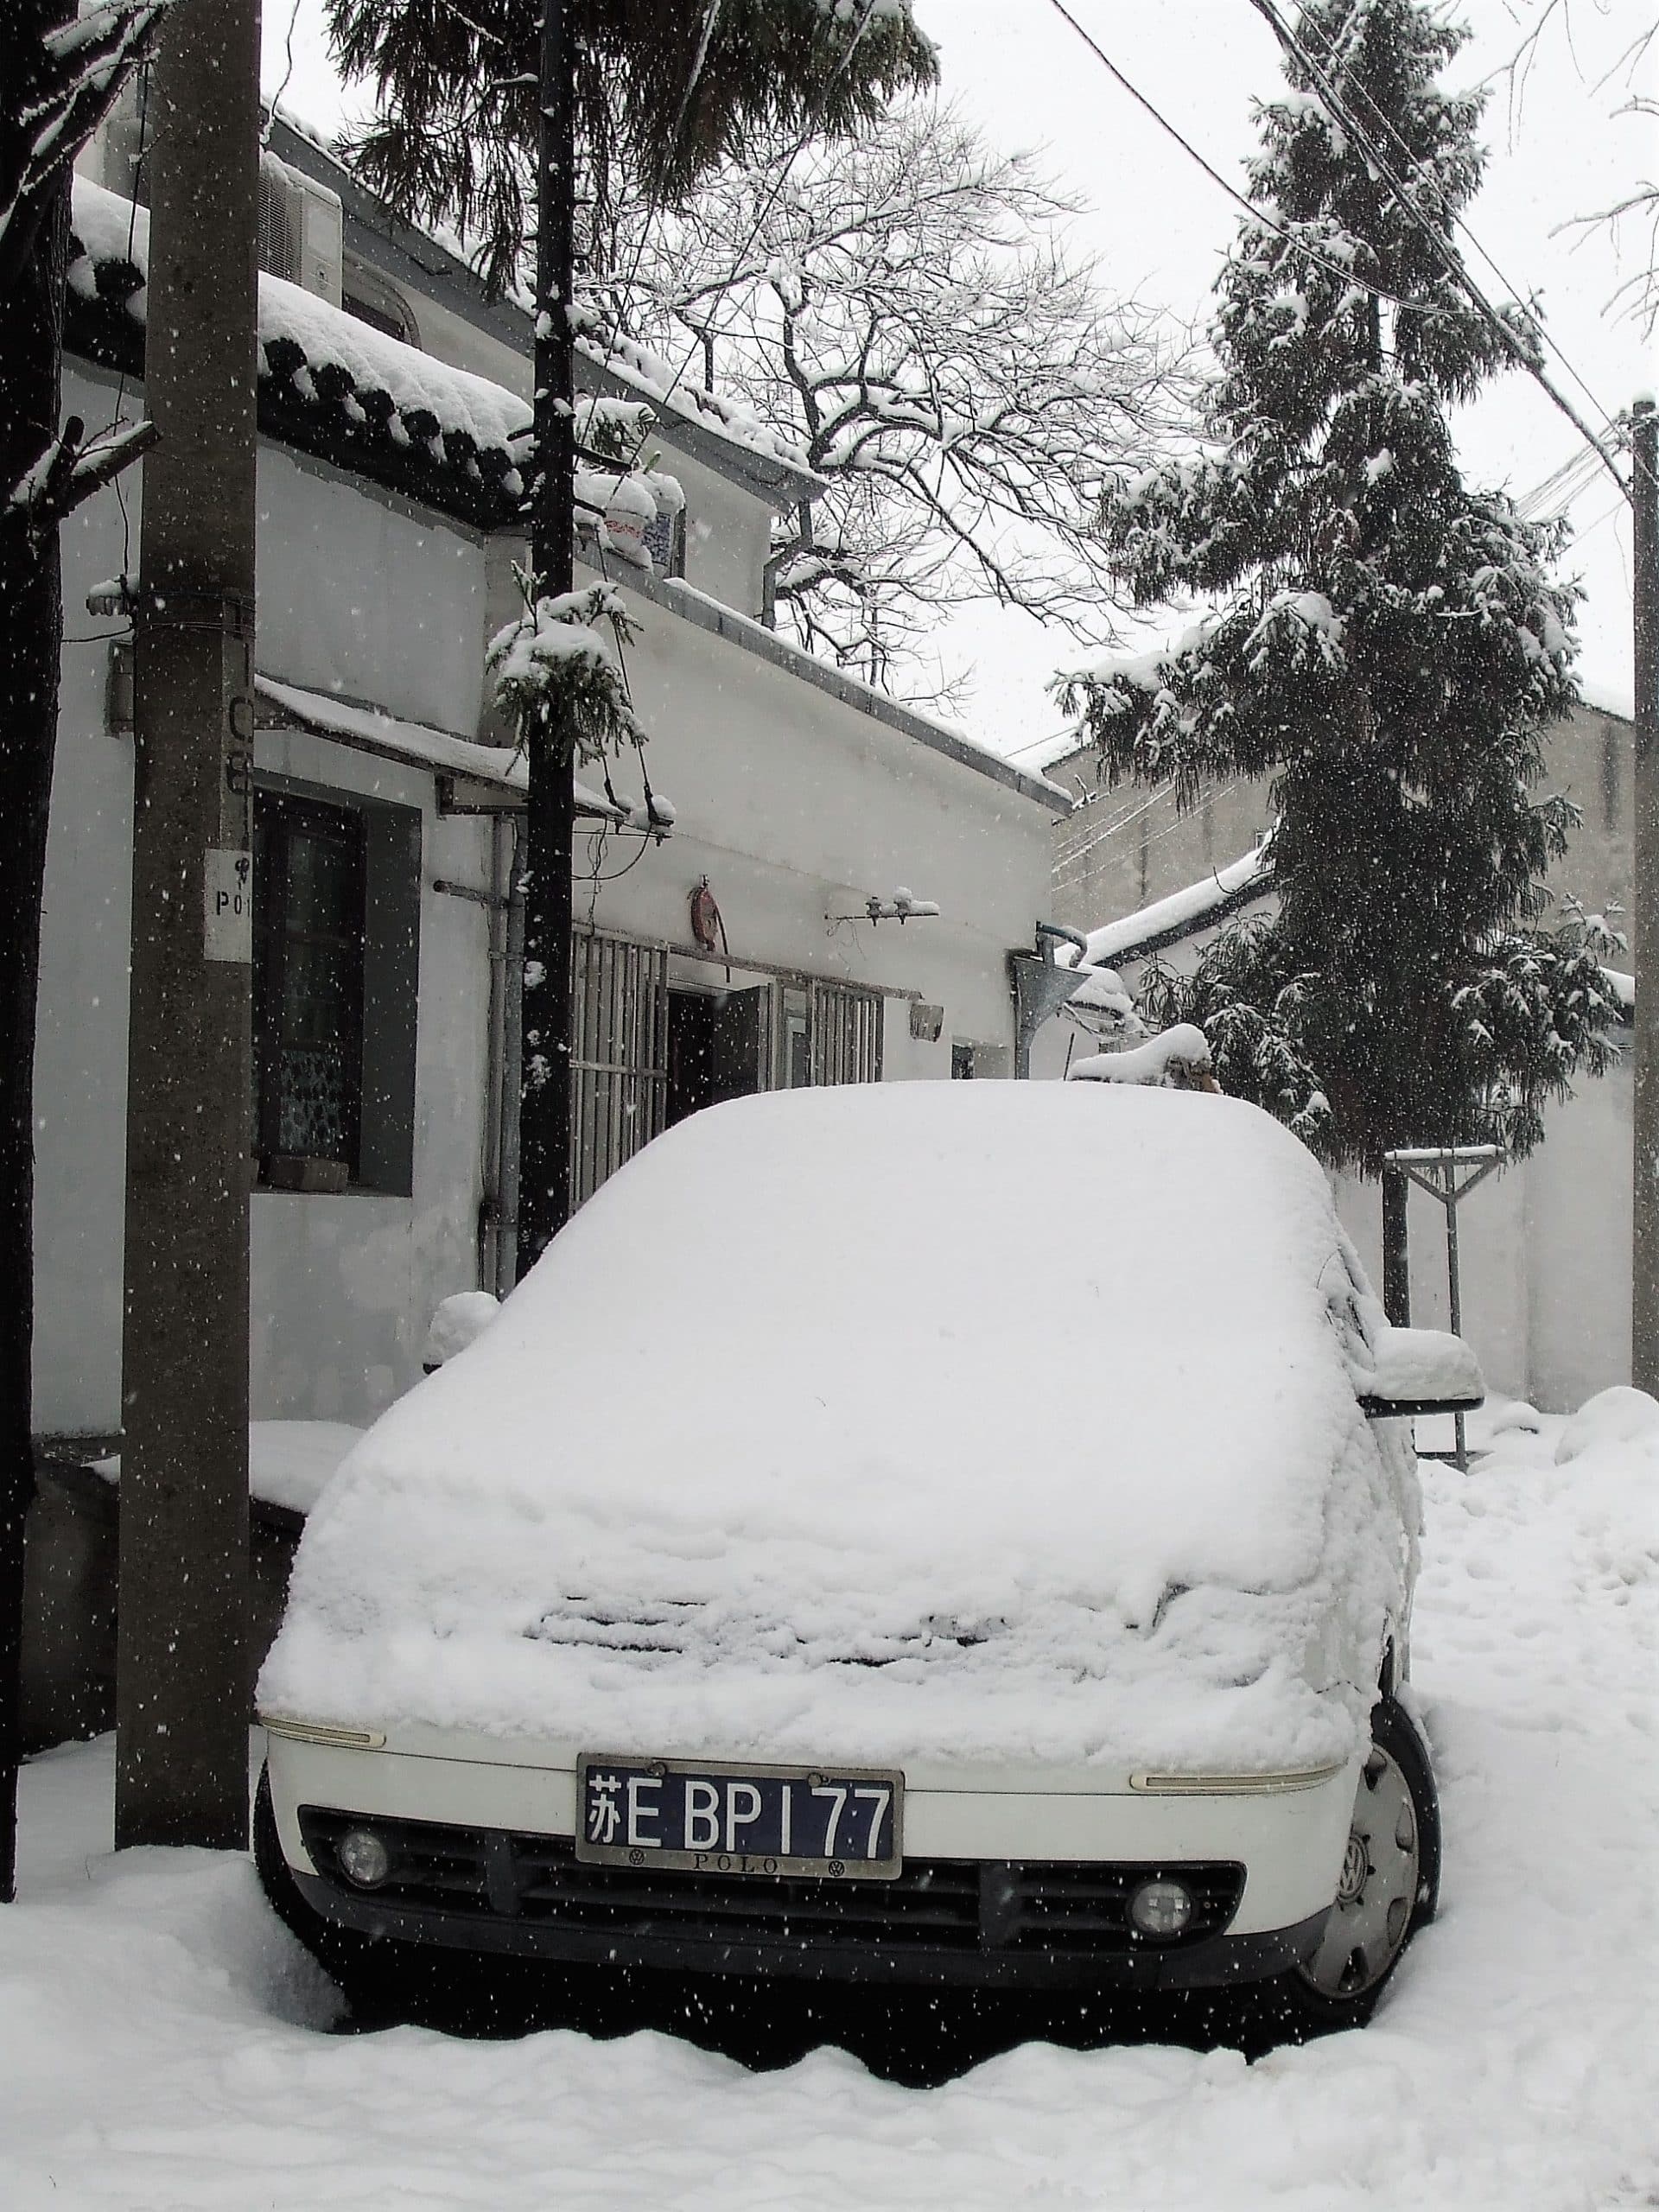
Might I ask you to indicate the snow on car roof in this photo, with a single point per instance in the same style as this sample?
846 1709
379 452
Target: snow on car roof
836 1376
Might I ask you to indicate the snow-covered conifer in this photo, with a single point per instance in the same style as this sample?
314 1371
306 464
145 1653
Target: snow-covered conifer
1386 644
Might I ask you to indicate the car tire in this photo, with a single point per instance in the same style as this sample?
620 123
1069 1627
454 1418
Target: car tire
1389 1882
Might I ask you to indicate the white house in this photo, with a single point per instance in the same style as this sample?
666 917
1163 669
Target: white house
737 955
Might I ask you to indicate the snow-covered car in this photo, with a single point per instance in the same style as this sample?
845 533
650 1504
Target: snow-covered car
929 1534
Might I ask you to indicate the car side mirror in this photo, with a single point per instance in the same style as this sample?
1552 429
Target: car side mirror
1420 1371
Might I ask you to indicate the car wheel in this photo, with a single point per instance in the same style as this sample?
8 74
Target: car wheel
1389 1882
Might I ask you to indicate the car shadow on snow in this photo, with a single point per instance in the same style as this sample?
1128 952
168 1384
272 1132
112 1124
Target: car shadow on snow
918 2038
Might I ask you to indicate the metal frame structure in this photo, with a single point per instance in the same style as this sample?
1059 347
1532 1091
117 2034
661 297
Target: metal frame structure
1437 1169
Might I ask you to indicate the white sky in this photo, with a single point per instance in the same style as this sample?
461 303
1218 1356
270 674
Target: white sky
1162 226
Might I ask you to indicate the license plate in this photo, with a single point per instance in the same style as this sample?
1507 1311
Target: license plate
740 1820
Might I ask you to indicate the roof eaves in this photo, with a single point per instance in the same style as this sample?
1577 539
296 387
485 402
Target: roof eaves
413 258
752 637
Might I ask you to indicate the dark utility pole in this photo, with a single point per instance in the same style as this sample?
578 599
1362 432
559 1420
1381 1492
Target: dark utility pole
1397 1249
181 1690
1644 1274
544 1094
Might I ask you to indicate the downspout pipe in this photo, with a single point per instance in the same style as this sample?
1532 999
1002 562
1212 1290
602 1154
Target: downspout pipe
512 1060
1041 987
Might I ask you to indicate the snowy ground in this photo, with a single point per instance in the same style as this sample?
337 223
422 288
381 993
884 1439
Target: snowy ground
163 2044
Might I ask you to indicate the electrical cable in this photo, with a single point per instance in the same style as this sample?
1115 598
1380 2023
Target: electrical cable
132 237
1346 277
1343 115
711 16
288 78
1463 224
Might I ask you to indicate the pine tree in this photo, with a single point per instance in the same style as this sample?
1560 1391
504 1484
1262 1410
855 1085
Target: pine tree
666 90
1385 645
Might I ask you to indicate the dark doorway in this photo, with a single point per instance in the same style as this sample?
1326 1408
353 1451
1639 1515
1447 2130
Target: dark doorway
690 1052
716 1047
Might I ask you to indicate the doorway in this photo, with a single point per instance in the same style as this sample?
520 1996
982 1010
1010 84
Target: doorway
717 1047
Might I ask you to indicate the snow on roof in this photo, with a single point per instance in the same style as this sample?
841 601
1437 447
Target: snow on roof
395 405
763 1404
370 729
1188 909
1610 699
1185 1045
662 383
632 365
724 621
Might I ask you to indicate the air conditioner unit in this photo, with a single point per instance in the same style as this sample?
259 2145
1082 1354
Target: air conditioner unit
300 229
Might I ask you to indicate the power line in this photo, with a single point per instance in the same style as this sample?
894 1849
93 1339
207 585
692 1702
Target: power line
1347 277
1343 115
1467 228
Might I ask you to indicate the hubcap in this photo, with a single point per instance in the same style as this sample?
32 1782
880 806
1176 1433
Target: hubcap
1380 1872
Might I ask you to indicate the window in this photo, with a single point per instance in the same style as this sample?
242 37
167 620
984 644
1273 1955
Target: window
846 1034
619 1055
309 931
336 952
665 542
828 1033
365 294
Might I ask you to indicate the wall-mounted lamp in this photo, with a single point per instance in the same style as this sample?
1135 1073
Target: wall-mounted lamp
903 906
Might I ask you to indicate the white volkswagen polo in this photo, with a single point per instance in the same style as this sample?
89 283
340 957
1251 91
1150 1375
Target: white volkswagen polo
927 1534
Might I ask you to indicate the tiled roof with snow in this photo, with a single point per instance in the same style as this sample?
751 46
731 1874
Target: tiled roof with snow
329 383
678 400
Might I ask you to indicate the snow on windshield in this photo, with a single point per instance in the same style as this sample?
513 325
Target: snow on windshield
996 1420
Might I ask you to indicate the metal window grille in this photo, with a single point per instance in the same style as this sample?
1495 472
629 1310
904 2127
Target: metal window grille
619 1096
846 1034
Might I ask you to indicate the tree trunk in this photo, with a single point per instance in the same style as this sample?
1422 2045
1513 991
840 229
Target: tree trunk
31 629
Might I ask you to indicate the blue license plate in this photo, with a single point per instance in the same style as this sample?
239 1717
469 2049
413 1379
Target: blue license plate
740 1820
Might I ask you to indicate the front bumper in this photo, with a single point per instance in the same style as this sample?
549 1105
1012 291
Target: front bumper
1004 1889
981 1947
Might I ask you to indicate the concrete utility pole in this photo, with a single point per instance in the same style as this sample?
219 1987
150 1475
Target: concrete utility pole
1644 1278
544 1094
182 1692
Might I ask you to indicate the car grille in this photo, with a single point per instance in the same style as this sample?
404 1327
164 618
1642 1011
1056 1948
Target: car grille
673 1627
1071 1907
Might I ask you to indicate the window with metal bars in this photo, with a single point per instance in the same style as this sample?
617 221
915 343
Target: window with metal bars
336 953
308 997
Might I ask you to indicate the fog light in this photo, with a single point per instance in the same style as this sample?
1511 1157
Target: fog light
1160 1908
363 1858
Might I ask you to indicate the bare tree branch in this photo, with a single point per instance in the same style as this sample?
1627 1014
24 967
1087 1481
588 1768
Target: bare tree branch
71 469
908 308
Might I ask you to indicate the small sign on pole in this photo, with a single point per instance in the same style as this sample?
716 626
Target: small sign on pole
227 906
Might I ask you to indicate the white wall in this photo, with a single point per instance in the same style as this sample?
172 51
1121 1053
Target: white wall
1544 1253
1544 1245
354 591
343 1288
793 802
797 806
